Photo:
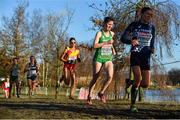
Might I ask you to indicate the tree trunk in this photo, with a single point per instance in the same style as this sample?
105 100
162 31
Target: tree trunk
57 74
43 73
46 72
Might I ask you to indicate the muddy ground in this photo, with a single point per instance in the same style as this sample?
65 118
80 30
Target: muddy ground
62 108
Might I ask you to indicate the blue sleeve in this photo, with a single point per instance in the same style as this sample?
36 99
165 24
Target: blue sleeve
153 38
126 37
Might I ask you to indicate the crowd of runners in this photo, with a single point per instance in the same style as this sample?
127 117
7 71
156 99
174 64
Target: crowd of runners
139 34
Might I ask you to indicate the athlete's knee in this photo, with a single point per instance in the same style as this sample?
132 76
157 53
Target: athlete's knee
110 77
137 77
75 82
146 85
72 71
30 88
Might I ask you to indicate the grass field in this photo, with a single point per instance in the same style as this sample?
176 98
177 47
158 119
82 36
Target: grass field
42 107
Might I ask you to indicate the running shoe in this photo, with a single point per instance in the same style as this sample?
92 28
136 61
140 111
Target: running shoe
102 97
133 108
70 97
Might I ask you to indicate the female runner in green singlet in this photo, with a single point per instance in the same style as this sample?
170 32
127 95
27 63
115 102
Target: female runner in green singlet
103 44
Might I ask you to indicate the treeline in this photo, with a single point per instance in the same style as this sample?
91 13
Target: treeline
42 35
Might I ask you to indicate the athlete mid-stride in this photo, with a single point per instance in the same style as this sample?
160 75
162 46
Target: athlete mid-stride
70 55
32 70
140 35
103 44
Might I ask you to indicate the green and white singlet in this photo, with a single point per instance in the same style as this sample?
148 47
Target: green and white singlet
104 53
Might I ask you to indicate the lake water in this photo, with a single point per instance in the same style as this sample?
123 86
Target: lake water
162 95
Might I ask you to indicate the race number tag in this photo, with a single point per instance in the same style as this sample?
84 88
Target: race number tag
7 84
33 72
72 58
106 50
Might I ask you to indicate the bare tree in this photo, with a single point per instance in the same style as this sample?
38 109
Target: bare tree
13 34
44 36
55 42
166 18
36 39
15 30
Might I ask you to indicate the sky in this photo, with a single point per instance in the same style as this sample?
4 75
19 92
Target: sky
80 23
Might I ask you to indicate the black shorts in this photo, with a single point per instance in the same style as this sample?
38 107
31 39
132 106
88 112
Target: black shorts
33 77
14 78
140 59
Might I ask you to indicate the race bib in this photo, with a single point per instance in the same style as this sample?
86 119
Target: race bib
7 84
106 50
144 38
33 72
72 58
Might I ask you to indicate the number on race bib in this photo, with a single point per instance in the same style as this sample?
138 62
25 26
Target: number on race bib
106 50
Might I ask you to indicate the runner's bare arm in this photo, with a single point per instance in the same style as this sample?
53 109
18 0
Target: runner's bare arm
63 56
96 40
113 49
